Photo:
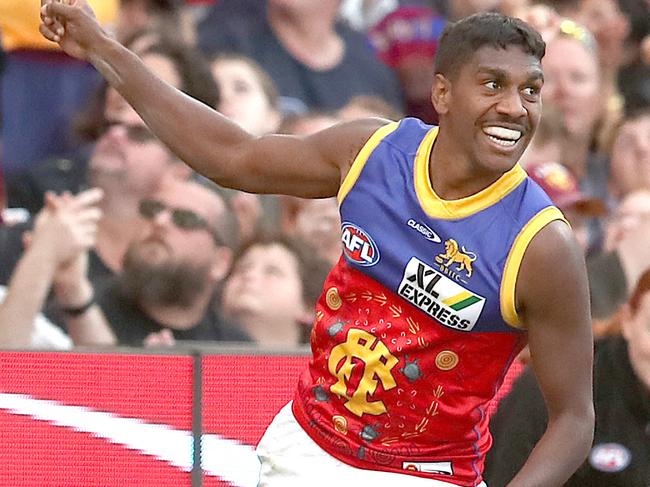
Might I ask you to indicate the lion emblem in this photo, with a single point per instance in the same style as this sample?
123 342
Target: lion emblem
462 257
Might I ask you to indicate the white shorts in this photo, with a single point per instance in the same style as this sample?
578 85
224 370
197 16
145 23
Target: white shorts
290 458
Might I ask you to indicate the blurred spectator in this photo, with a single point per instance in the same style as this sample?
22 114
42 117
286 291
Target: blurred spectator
36 116
249 97
630 166
272 290
129 164
247 93
179 65
318 224
562 187
56 256
615 272
171 270
573 85
364 106
315 62
629 213
619 456
407 40
549 140
609 26
163 15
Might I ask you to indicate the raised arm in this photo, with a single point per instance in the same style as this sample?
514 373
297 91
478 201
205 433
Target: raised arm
553 299
311 166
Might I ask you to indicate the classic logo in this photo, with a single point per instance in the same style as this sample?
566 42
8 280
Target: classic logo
362 351
454 254
446 301
358 246
424 230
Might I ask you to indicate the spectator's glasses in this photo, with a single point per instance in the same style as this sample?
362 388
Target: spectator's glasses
181 217
135 132
575 31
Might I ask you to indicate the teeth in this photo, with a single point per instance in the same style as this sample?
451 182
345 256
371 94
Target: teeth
504 143
502 133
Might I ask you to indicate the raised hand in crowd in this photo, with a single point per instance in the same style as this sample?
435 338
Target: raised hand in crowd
63 232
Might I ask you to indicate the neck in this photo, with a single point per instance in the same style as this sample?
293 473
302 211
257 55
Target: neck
310 37
114 234
268 333
180 318
454 176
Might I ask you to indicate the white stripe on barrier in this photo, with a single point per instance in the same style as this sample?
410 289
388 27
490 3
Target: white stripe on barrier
232 461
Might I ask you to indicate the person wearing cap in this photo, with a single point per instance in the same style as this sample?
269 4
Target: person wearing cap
562 187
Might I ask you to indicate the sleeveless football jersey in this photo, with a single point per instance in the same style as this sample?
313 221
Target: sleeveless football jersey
417 323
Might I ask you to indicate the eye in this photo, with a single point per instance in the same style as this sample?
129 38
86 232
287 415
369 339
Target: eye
532 91
492 85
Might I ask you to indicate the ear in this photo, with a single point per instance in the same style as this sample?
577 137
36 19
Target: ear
221 264
440 94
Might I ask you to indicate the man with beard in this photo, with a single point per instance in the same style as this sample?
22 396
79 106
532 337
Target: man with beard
171 269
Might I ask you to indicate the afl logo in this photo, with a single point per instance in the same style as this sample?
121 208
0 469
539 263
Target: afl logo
358 246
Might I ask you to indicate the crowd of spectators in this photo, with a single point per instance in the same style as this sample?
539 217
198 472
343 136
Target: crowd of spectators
280 66
154 255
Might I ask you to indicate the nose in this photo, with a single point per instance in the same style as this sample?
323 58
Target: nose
162 218
510 104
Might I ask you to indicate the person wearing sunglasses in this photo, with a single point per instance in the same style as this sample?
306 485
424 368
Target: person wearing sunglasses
165 291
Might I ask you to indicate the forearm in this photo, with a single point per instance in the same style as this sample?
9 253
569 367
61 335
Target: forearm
28 288
199 135
89 327
559 453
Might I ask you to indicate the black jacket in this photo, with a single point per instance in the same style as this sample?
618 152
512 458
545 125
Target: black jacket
620 456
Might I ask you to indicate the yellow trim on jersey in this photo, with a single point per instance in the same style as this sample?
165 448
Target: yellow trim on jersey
436 207
361 159
516 255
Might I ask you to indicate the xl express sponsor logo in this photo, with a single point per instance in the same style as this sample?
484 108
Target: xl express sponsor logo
358 246
438 296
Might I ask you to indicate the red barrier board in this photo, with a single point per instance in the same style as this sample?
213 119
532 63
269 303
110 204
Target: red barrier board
69 419
73 420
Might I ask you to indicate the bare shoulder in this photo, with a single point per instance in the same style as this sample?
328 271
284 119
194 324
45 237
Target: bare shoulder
552 273
342 142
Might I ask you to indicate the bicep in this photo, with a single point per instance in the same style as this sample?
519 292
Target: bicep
306 166
554 296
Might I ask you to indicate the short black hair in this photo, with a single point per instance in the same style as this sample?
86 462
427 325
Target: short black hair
461 39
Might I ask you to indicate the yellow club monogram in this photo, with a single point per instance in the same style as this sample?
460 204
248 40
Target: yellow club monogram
378 363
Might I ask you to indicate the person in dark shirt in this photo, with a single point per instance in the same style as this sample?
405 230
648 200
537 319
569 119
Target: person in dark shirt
621 448
315 62
171 269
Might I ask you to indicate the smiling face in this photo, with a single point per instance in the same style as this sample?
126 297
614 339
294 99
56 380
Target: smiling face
491 107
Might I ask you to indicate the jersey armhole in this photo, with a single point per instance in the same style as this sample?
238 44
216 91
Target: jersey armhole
361 159
515 257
